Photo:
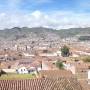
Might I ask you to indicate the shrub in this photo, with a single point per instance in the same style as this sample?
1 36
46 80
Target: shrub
59 65
86 59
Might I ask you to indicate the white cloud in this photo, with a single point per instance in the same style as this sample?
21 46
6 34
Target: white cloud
58 19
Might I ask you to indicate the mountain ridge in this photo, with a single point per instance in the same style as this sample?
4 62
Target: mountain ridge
25 31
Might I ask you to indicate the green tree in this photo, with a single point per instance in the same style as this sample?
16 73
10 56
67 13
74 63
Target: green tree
65 51
59 65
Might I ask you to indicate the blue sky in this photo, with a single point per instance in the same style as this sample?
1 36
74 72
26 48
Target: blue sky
46 5
47 13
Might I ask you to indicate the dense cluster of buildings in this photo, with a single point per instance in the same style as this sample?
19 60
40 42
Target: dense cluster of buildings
39 57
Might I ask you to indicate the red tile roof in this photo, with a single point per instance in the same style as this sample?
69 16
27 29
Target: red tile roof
41 84
56 73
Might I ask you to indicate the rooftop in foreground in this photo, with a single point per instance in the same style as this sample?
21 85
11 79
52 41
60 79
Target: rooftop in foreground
58 81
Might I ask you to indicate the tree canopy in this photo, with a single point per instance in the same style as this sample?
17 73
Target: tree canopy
65 51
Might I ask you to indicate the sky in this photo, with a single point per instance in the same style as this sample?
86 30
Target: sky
55 14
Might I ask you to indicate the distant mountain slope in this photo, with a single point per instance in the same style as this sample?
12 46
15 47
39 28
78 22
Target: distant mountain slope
18 33
73 32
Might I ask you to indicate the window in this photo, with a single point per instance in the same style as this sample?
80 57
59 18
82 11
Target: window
21 70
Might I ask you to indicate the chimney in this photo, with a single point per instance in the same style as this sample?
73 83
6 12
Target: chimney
41 64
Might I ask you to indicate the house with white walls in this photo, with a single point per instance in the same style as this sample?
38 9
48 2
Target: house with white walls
22 70
28 55
9 70
69 67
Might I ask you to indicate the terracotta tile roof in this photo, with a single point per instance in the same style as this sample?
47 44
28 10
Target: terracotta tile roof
41 84
56 73
82 67
4 65
28 63
84 84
